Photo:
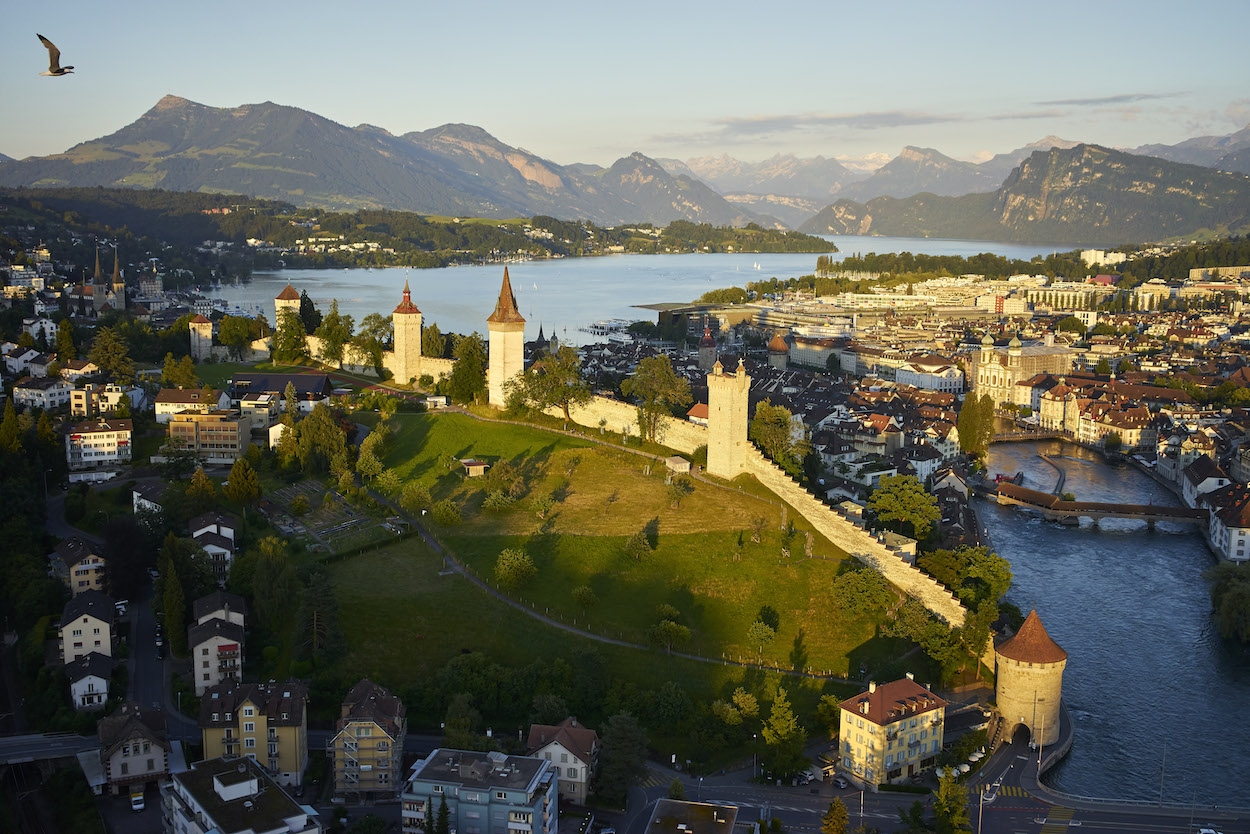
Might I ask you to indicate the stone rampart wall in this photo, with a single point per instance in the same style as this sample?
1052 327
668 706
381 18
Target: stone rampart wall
622 418
850 535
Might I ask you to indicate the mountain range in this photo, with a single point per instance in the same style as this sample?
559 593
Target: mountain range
1085 193
285 153
277 152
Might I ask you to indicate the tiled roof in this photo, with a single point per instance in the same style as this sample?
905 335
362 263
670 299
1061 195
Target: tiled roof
889 702
1031 644
578 740
505 308
289 293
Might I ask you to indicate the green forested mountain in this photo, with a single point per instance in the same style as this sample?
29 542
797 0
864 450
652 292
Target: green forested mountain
1081 194
284 153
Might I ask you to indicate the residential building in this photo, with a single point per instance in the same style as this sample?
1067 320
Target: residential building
214 436
148 497
46 393
264 722
171 401
261 408
573 749
1200 477
76 369
368 743
486 793
220 605
232 796
134 747
79 565
87 626
310 389
216 648
98 443
931 372
89 681
214 532
891 732
1228 531
677 816
91 400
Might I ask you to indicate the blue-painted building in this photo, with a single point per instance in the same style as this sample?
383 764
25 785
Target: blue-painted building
486 793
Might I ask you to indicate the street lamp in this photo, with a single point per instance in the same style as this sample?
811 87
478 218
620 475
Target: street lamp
755 753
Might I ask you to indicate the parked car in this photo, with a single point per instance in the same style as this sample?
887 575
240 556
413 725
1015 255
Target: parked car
136 801
840 782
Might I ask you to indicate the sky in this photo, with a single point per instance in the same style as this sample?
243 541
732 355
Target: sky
593 81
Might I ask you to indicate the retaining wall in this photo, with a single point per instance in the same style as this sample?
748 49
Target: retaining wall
622 418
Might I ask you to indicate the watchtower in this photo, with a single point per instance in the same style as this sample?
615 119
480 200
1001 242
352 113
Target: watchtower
288 299
407 324
1029 681
201 338
707 349
506 331
727 405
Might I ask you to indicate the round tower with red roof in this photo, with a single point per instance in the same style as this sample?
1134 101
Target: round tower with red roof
1029 681
778 352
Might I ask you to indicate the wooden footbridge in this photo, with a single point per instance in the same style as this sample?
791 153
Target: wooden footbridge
1021 436
1057 509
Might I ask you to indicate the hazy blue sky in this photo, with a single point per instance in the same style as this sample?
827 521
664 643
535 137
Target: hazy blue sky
591 81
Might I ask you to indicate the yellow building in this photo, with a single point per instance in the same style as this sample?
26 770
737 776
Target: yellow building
79 565
368 745
267 723
891 732
217 436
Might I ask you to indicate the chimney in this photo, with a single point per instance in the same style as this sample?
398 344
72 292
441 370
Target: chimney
872 687
910 676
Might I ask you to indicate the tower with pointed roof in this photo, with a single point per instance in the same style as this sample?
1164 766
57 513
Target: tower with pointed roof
1029 683
707 349
287 299
119 285
99 286
778 353
506 329
407 324
727 405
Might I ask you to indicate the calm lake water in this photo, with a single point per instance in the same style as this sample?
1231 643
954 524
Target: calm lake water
569 293
1147 669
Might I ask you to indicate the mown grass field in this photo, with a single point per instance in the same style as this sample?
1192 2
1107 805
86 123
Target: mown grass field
704 562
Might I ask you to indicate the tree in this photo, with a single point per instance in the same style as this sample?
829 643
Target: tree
290 341
658 390
274 585
243 485
415 497
309 315
555 381
372 339
974 574
900 503
760 635
860 591
443 825
235 332
201 492
335 333
320 440
950 805
10 440
835 819
1103 367
433 342
175 607
1230 598
290 400
1112 442
637 545
513 568
1071 324
179 373
772 430
317 634
968 424
111 354
65 349
676 790
783 737
679 488
668 634
468 377
585 598
622 758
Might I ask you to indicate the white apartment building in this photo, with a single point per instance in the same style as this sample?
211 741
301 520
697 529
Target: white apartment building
98 443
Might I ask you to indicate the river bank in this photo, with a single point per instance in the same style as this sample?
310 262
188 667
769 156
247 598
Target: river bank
1147 670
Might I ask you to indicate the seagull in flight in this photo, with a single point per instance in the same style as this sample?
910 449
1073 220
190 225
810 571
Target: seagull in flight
54 58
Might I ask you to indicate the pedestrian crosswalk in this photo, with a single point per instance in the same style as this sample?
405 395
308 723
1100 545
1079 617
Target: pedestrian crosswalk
1057 821
654 779
1012 790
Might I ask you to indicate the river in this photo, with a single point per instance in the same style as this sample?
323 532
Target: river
566 294
1157 697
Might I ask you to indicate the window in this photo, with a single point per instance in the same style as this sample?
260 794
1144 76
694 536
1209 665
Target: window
215 714
249 743
501 795
151 765
204 664
125 768
249 726
438 789
248 712
206 676
204 651
564 758
571 773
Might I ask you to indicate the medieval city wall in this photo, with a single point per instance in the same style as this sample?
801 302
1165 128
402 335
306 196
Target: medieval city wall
851 536
622 418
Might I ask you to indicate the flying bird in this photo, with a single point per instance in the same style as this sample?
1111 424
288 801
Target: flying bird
54 58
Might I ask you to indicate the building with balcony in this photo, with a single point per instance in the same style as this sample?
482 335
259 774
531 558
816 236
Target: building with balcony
368 744
266 722
217 653
79 565
214 532
93 400
46 393
171 401
98 443
89 679
231 796
214 436
573 749
87 626
891 732
486 793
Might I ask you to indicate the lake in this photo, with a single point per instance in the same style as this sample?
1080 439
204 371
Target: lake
567 294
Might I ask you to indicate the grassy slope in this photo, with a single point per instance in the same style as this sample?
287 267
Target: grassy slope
699 565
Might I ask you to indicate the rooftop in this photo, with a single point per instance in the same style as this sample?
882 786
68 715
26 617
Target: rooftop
1031 644
478 770
889 702
221 788
675 816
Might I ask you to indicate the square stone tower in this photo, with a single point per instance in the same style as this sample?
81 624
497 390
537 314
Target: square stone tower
506 329
407 323
201 338
727 405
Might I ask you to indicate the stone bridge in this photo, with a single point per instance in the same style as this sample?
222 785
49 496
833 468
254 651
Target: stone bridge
1057 509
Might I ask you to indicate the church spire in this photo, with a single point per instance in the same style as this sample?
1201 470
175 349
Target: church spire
98 274
505 308
117 267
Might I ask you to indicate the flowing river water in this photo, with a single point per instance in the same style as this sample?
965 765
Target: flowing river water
1160 702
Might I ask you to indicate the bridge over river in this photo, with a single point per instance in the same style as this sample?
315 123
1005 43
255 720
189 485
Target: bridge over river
1055 508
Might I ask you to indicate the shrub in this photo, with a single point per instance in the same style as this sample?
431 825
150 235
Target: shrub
446 514
299 505
416 497
498 501
543 505
514 568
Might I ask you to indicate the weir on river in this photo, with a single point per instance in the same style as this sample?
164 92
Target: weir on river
1147 669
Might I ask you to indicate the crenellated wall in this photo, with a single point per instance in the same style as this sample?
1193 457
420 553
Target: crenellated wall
622 418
